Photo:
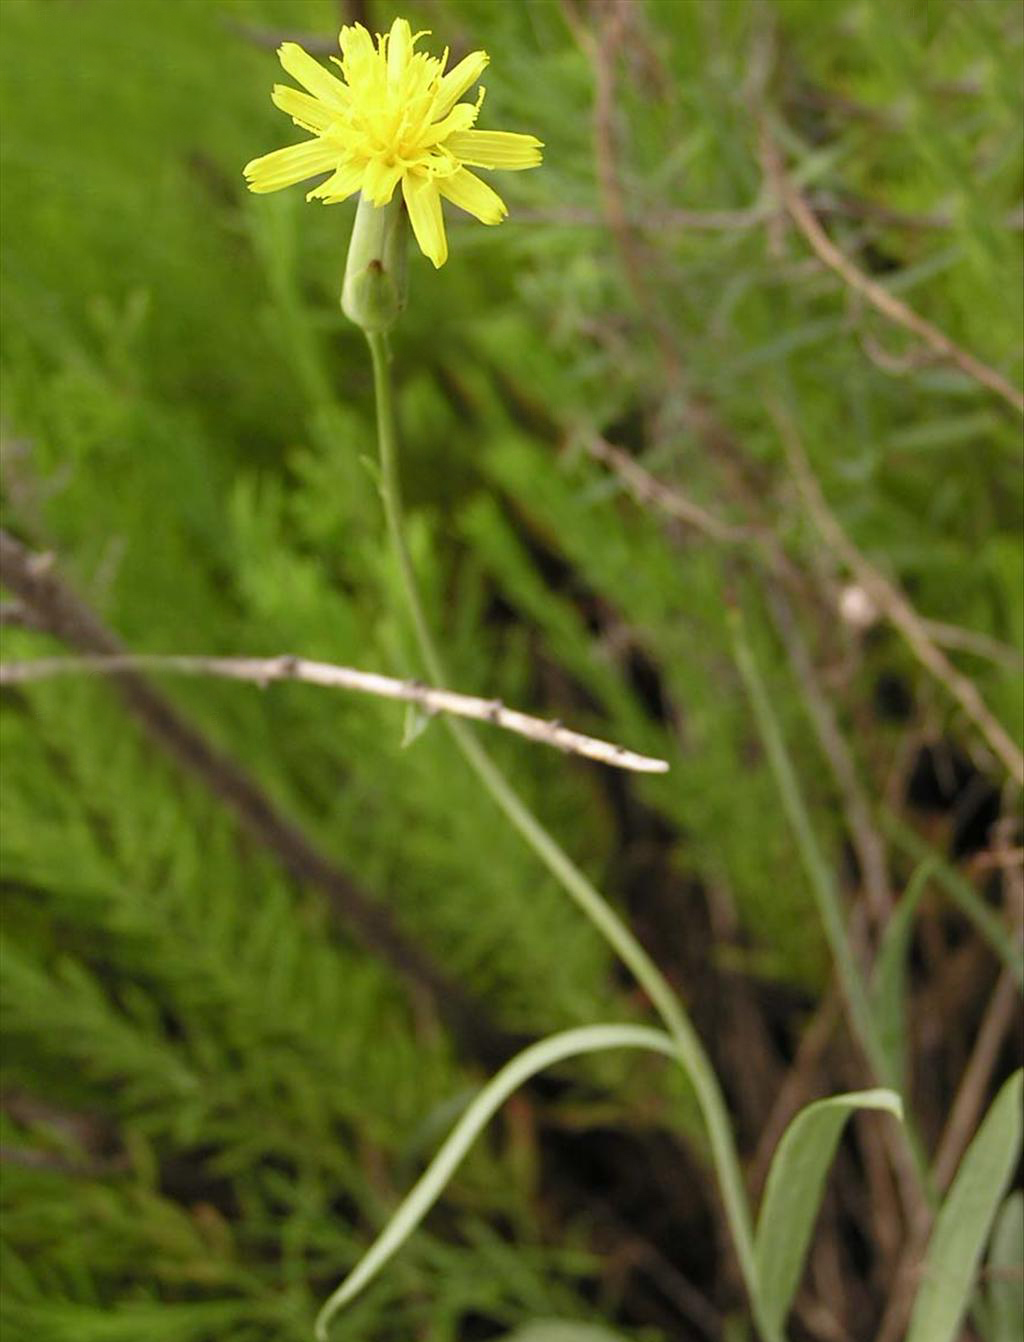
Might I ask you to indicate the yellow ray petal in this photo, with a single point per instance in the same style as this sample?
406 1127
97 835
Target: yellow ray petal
399 50
460 118
340 185
306 111
285 167
424 206
380 180
358 51
495 149
458 80
312 75
469 193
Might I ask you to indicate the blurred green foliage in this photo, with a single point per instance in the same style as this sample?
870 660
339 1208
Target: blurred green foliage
186 417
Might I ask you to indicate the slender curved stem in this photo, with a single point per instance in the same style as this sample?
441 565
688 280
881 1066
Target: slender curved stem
429 1187
688 1048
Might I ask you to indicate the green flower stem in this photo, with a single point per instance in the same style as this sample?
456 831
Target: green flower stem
687 1045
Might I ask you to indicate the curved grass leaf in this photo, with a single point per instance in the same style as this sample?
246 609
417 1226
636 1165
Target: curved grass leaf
794 1190
965 1219
429 1187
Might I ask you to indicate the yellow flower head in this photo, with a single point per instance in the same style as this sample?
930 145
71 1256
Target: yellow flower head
395 116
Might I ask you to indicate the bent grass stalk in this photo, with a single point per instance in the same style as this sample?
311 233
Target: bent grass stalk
687 1047
430 1185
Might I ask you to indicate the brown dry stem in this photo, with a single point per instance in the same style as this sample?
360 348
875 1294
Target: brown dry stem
891 307
893 603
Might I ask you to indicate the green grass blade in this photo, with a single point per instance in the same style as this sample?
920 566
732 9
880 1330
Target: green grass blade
794 1190
423 1195
1004 1297
965 1219
986 923
819 873
888 982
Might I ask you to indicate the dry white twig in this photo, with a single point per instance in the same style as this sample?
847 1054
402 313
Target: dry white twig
263 670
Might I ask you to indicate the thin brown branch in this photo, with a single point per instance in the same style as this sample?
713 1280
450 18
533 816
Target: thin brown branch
646 488
857 609
891 307
896 365
603 48
894 604
76 1144
970 1097
35 1158
658 218
263 671
269 39
16 615
655 221
614 20
967 640
874 212
33 579
1004 859
867 842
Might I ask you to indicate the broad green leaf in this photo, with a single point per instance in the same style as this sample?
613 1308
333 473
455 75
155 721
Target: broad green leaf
1004 1295
554 1330
965 1219
793 1193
